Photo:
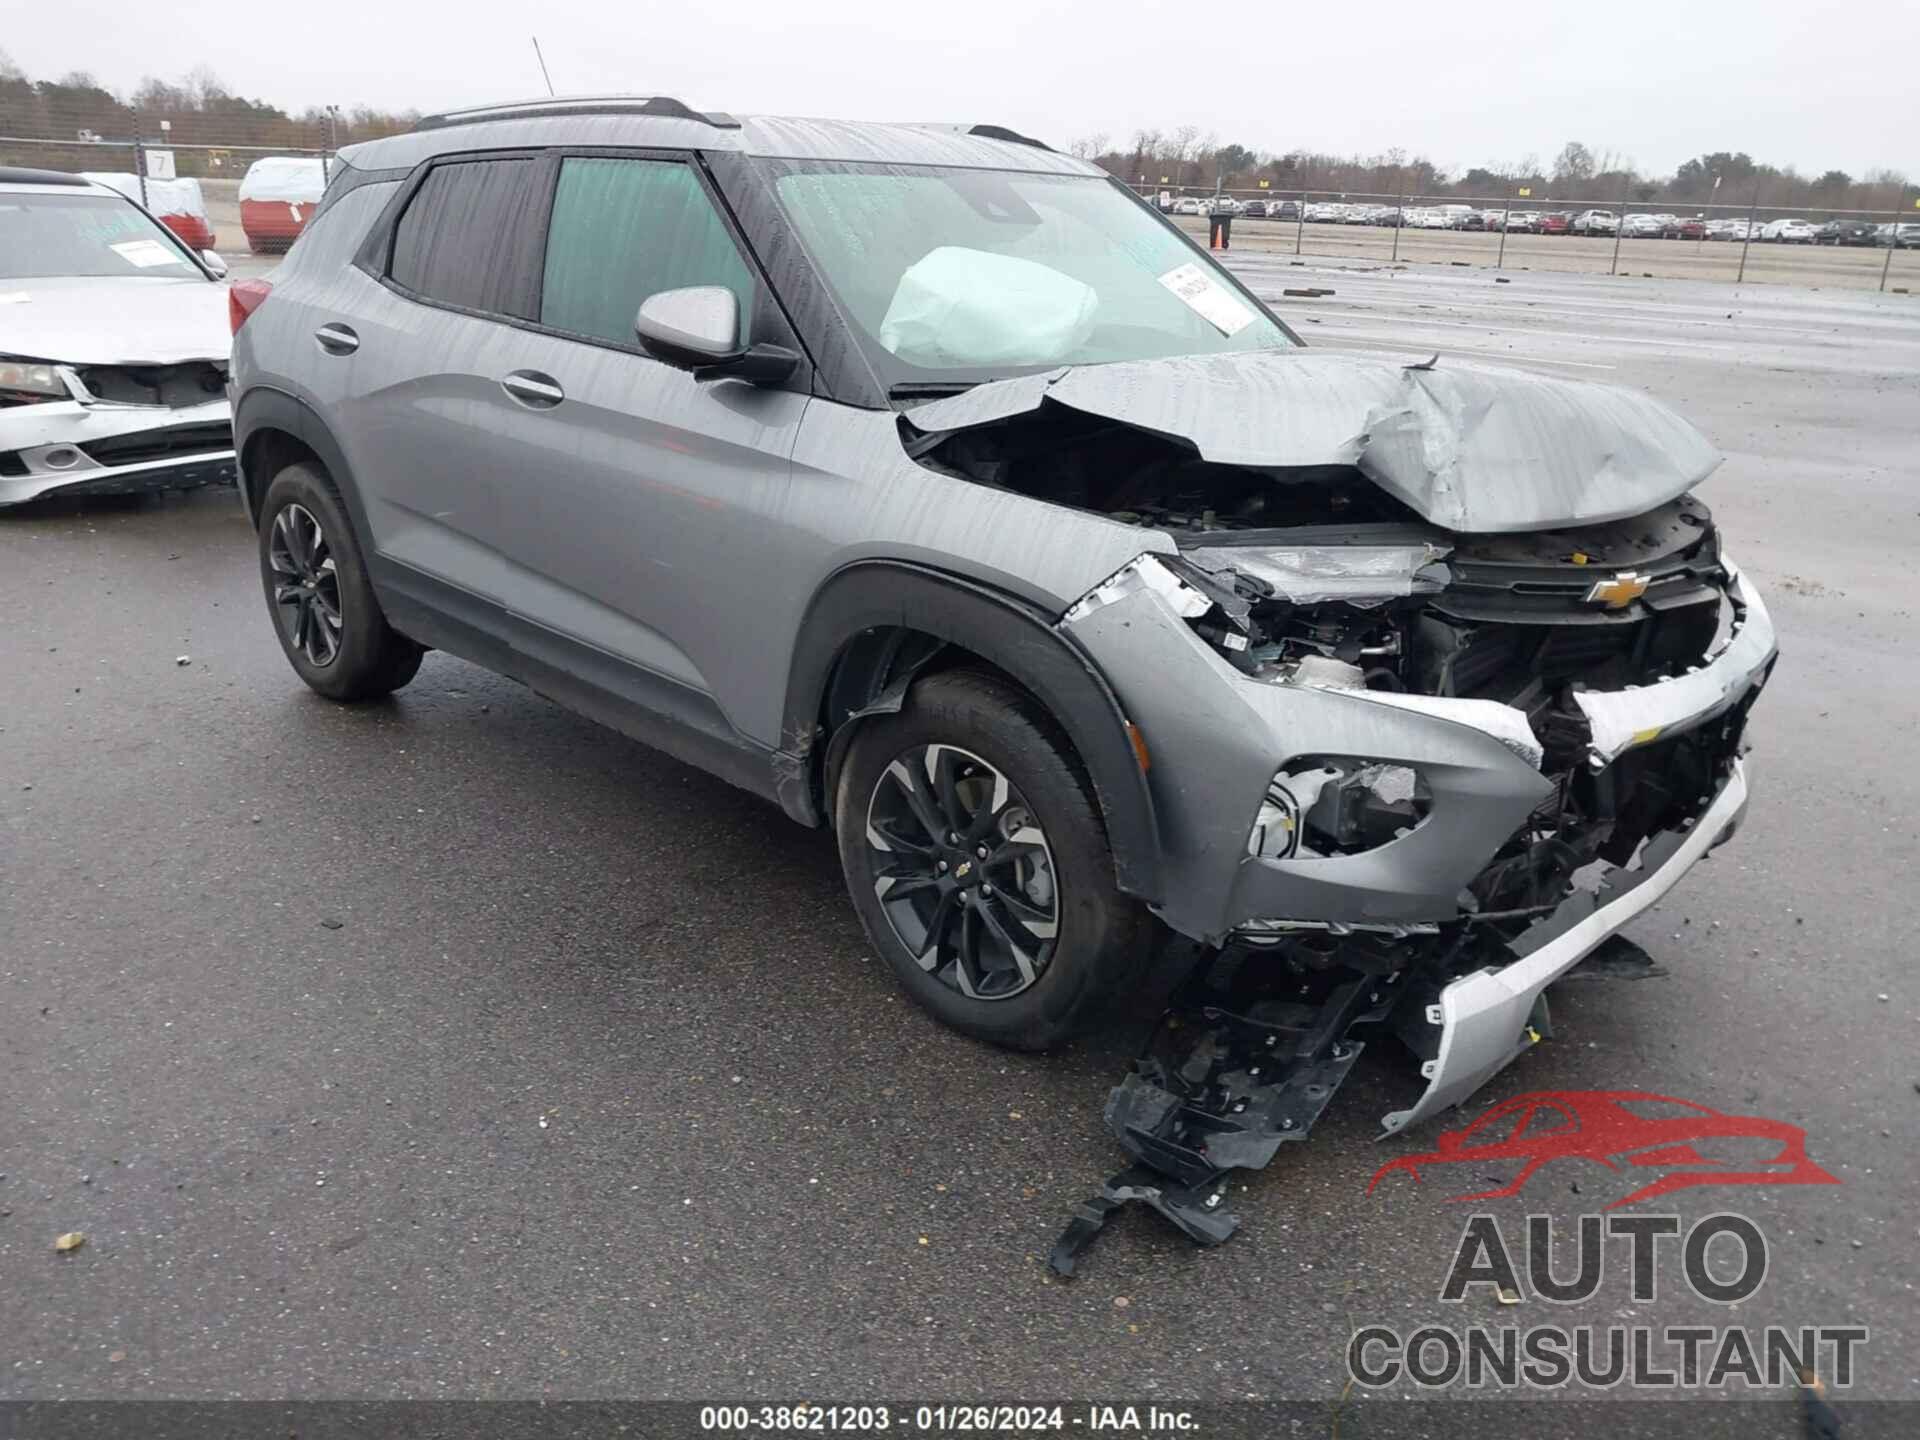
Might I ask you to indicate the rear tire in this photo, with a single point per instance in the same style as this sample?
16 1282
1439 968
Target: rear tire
1020 946
322 604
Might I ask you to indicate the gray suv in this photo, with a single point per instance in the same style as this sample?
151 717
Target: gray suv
929 484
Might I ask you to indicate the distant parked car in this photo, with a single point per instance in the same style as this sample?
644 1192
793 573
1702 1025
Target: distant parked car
277 198
176 204
1683 228
1254 209
116 338
1641 227
1556 222
1186 205
1283 210
1845 232
1788 232
1902 237
1726 229
1223 205
1595 222
1519 222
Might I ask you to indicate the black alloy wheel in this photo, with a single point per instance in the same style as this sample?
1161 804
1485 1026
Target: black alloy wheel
964 875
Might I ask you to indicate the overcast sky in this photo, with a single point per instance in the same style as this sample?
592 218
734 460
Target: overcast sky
1463 82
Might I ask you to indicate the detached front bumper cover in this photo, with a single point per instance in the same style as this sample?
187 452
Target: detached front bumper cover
1484 1017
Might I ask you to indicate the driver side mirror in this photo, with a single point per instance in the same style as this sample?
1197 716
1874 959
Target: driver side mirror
697 328
214 263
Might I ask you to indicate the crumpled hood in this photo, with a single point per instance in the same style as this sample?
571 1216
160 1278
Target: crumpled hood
1470 448
114 320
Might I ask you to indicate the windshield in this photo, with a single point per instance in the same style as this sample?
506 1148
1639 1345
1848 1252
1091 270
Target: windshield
44 235
957 275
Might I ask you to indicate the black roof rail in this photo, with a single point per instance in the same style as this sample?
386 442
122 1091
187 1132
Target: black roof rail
20 175
664 106
1012 137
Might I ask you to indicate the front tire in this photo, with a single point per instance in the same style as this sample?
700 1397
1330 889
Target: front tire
330 626
978 863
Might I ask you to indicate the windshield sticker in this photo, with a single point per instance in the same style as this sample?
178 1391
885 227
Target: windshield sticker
1208 299
148 253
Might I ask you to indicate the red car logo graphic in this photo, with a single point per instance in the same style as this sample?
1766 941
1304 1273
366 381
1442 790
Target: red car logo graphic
1617 1128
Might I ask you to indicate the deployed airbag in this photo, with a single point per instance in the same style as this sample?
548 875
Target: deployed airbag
957 308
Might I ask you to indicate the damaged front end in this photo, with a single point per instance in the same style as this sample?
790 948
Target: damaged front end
112 429
1406 783
1444 677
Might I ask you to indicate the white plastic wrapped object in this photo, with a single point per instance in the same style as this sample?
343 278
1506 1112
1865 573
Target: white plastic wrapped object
164 197
299 179
961 308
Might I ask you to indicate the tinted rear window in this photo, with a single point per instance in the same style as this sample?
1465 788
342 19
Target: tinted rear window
469 234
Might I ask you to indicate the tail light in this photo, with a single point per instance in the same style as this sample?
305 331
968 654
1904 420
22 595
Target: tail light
243 298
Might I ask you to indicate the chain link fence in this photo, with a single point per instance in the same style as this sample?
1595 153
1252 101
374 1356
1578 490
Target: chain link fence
235 175
224 173
1588 234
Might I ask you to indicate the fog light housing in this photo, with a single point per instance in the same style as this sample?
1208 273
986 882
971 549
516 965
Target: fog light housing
1322 806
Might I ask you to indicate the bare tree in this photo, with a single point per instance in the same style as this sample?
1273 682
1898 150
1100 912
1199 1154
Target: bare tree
1575 163
1182 150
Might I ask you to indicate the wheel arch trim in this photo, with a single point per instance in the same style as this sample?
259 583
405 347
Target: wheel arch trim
264 409
1012 635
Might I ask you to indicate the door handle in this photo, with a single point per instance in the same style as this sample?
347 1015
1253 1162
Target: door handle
337 339
533 389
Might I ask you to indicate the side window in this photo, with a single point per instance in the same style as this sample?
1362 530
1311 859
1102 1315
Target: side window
469 235
626 229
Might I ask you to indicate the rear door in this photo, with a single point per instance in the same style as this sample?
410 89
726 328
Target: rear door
425 421
644 515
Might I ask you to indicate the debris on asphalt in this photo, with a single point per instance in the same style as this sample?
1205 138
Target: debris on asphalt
70 1241
1232 1073
183 659
331 924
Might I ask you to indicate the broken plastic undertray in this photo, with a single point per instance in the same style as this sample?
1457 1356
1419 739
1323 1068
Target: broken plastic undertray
1227 1079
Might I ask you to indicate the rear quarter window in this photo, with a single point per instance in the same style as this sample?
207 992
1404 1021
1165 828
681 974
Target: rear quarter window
469 236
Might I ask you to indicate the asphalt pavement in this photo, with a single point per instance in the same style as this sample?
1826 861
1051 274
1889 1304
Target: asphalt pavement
455 1047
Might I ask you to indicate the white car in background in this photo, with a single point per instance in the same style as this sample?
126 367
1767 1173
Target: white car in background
1595 222
1186 205
1642 227
1788 232
114 338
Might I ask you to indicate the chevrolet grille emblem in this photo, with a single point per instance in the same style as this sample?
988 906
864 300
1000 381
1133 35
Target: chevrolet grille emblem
1619 592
